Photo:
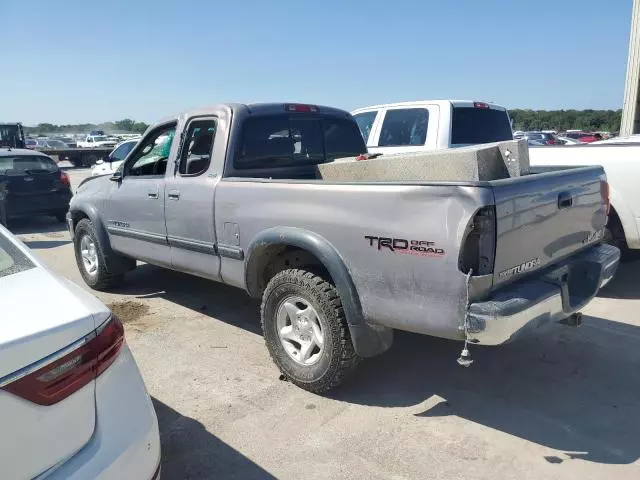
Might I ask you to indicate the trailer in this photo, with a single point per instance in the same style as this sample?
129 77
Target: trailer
79 157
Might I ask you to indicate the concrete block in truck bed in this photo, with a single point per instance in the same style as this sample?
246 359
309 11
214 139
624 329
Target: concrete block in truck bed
479 162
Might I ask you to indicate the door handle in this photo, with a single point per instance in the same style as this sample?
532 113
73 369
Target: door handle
152 195
173 195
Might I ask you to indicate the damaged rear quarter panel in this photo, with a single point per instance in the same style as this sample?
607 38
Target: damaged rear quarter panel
418 288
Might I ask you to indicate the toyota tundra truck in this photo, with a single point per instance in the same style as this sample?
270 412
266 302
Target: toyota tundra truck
232 193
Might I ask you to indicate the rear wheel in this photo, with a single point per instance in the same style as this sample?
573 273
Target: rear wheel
306 332
614 235
90 258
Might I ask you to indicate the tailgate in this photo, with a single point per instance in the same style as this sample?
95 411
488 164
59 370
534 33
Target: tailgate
543 218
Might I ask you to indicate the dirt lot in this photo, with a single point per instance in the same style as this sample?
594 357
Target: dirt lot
562 404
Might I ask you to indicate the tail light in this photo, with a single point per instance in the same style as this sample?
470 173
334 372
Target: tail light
54 378
479 245
480 105
551 142
64 178
604 191
300 108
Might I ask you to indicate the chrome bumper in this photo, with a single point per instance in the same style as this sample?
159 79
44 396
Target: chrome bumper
553 295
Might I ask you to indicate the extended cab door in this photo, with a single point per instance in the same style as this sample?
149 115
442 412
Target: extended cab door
135 208
189 198
405 129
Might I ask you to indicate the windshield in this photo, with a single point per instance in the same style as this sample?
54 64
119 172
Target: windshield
56 143
281 140
27 164
99 138
12 260
472 125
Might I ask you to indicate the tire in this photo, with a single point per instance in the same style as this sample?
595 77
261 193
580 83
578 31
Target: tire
327 366
89 160
614 235
61 217
100 278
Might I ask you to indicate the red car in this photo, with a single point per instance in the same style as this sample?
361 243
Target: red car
584 137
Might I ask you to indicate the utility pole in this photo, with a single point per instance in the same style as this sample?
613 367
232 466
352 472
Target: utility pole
631 106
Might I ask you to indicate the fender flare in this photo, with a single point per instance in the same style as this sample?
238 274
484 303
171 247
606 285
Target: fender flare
368 340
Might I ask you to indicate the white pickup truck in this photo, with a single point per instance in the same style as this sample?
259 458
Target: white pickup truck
620 162
97 141
431 125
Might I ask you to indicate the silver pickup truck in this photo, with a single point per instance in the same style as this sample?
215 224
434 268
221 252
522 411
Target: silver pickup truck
231 193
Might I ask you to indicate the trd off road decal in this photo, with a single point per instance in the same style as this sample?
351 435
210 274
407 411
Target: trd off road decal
420 248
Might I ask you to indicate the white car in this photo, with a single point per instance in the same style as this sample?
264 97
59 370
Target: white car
114 160
72 402
628 139
97 141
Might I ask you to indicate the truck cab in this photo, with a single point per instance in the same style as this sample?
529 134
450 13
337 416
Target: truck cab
11 135
431 125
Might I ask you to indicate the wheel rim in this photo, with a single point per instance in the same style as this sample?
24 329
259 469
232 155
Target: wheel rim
300 331
89 255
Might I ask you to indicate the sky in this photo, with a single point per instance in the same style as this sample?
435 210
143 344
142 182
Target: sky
74 61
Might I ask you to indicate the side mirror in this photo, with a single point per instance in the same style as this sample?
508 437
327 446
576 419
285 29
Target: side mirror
117 176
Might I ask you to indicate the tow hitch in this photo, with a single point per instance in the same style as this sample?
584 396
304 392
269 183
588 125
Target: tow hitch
573 320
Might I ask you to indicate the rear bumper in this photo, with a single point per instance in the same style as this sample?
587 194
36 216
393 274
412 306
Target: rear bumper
553 295
126 440
46 203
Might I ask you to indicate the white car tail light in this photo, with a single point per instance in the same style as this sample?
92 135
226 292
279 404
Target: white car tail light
62 373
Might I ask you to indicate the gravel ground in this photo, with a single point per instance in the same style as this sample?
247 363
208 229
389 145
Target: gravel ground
559 405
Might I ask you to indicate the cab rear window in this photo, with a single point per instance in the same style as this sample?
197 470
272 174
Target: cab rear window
471 125
292 140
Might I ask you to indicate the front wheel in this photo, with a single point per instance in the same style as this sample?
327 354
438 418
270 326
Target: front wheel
306 332
90 258
61 216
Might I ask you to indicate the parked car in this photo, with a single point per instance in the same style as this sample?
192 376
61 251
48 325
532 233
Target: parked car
568 141
114 160
339 265
31 143
583 137
545 138
32 184
614 140
431 125
620 163
69 142
72 401
97 141
53 144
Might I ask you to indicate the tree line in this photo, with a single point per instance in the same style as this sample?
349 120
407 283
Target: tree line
560 120
120 126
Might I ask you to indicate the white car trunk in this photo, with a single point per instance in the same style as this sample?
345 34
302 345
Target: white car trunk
40 316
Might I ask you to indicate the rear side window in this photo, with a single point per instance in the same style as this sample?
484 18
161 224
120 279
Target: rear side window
281 140
365 123
27 164
472 125
401 127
